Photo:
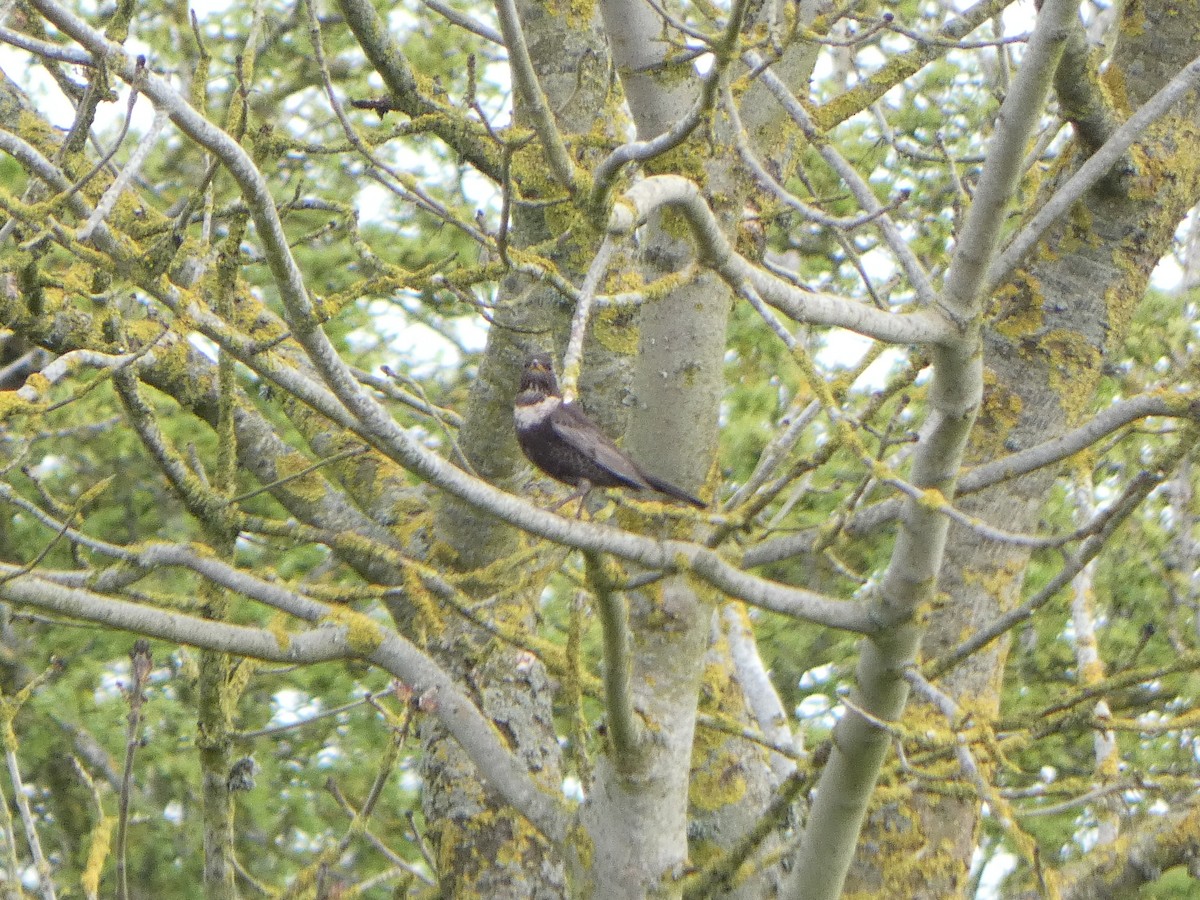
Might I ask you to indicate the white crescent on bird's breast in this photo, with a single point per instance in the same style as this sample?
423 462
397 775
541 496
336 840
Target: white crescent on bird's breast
527 416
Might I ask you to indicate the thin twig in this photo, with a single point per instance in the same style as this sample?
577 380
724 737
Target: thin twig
583 308
474 26
862 191
140 672
623 727
537 107
1136 491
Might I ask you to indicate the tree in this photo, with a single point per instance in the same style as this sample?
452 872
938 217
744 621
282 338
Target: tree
249 418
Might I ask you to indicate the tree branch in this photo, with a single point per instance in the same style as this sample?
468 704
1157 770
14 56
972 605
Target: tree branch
362 638
966 283
618 665
1096 167
858 186
1104 423
389 60
955 392
650 194
537 107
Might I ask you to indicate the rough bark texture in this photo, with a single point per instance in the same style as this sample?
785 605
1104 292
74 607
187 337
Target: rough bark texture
484 848
1053 322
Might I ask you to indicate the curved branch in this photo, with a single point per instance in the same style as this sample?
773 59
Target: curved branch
761 696
659 555
977 479
367 640
924 327
1092 171
1099 426
536 104
573 357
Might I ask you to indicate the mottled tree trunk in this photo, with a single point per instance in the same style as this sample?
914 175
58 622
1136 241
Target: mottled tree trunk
1052 325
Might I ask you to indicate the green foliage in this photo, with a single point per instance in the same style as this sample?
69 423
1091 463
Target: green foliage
1174 884
399 242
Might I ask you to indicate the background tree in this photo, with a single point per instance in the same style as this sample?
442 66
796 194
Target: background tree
268 279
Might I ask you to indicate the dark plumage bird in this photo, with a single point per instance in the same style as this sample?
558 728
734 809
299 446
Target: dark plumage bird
564 443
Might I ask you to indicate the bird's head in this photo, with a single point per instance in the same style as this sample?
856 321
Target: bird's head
538 376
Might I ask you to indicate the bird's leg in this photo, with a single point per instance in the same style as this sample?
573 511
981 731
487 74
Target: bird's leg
580 493
585 488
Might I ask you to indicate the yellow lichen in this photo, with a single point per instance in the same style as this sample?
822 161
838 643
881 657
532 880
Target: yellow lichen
614 328
362 633
12 406
1017 309
1074 369
302 479
97 853
999 414
277 626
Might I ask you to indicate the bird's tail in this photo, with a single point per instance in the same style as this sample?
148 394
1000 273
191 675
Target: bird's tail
665 487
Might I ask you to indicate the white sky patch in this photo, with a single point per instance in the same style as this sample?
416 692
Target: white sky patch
819 710
814 705
1018 18
877 373
572 788
817 675
414 341
1167 275
328 756
995 870
112 681
292 706
843 349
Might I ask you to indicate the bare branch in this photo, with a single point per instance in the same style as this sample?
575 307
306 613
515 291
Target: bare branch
573 358
1096 167
618 662
917 276
363 639
923 327
966 283
760 693
1112 418
537 107
451 14
45 49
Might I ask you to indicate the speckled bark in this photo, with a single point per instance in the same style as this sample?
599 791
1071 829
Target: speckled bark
484 849
1050 328
676 390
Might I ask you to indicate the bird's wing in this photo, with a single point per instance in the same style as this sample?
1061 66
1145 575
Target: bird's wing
581 433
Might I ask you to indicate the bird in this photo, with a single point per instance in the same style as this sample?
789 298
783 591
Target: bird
560 440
